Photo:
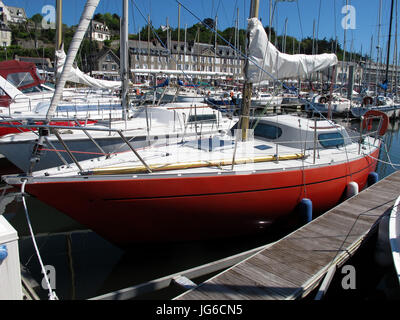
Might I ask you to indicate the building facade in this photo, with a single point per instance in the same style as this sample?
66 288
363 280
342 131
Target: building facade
105 65
375 73
98 31
5 35
12 14
190 58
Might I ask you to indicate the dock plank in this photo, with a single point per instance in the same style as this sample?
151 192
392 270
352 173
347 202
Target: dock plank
293 266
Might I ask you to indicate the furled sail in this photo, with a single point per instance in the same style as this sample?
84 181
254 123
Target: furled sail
280 65
86 17
77 76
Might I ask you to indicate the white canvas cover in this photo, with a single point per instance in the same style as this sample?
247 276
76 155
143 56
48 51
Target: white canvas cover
77 76
11 90
279 65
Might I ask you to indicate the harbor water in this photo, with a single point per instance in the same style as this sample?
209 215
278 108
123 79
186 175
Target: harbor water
83 265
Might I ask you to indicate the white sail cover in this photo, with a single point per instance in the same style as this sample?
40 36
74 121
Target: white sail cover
77 76
279 65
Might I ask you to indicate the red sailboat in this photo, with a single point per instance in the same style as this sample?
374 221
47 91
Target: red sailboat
214 185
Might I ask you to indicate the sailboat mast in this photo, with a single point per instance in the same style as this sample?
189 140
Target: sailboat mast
388 51
179 31
378 47
344 56
215 43
58 32
58 24
370 63
285 36
248 86
124 59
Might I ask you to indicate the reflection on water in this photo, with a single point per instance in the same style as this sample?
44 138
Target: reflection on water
87 265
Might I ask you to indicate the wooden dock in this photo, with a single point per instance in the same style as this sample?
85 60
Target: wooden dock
295 265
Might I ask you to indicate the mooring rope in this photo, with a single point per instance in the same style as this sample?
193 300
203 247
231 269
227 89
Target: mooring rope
52 294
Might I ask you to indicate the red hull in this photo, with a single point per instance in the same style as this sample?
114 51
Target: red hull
129 210
8 130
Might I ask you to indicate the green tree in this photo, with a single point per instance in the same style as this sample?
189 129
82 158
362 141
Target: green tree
37 18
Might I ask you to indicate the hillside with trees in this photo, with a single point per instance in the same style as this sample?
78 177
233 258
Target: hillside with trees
32 31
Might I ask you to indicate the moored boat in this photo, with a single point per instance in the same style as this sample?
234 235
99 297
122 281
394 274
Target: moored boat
394 236
146 125
323 103
195 189
214 185
379 103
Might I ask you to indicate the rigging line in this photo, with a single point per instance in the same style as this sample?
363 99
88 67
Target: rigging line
216 10
238 51
52 294
135 30
226 13
234 12
319 16
301 26
190 80
334 19
229 44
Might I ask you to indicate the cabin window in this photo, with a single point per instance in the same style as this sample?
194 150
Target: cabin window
331 140
202 118
267 131
263 130
4 99
20 79
38 74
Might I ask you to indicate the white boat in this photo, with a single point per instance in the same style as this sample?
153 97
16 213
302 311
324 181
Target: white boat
146 125
379 103
189 95
261 99
394 236
322 103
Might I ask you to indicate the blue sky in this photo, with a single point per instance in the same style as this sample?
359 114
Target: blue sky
301 16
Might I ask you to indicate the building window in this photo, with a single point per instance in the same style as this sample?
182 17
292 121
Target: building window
104 67
114 67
